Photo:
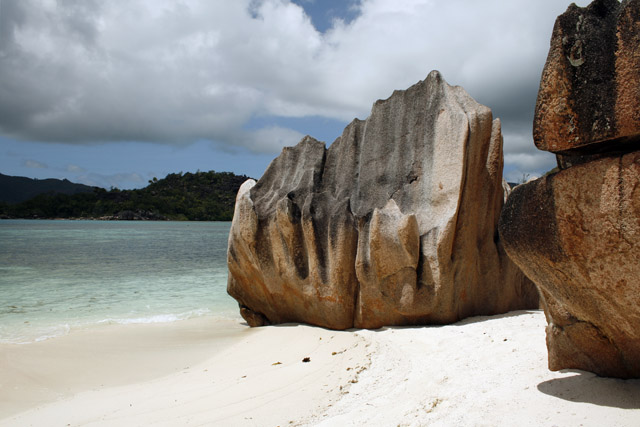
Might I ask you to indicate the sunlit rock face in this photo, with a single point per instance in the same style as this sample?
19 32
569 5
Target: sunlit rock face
394 224
588 99
576 233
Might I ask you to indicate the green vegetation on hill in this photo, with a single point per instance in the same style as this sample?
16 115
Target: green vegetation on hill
200 196
16 189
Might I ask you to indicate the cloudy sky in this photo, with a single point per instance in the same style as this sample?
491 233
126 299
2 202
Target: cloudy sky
114 92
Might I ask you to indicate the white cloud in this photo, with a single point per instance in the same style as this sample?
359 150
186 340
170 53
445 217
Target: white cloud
177 72
74 169
271 139
34 164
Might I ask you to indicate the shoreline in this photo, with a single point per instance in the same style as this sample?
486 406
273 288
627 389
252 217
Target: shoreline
97 357
480 371
39 332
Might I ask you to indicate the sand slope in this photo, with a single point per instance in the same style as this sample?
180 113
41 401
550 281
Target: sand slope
482 371
106 356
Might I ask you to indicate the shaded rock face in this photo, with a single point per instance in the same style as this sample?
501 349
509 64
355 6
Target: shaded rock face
588 99
394 224
576 234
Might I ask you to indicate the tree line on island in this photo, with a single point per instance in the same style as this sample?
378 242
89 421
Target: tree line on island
199 196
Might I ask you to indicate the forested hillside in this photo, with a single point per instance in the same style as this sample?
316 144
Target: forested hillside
200 196
15 189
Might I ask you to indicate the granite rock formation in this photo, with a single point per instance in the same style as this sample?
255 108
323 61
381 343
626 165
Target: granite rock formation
394 224
576 233
588 99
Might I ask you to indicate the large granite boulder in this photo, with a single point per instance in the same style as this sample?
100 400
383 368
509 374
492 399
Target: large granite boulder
576 234
588 99
394 224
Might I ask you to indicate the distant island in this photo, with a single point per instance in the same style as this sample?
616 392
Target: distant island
16 189
199 196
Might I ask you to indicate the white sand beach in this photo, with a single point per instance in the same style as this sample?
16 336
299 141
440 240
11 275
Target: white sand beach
481 371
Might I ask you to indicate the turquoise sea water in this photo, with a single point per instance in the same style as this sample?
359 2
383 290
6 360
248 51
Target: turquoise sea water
60 275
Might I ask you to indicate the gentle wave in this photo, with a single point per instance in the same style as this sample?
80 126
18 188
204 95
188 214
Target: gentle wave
60 331
31 336
156 318
38 334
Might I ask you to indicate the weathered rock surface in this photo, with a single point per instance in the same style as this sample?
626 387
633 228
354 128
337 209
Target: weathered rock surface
576 234
394 224
589 97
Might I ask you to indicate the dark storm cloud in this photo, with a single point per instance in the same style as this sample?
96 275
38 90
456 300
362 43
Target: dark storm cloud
86 72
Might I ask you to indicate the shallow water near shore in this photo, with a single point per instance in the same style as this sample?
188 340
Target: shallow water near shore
56 276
